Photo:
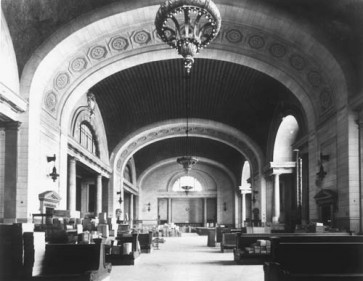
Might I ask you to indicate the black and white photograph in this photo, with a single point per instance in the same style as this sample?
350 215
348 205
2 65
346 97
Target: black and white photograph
181 140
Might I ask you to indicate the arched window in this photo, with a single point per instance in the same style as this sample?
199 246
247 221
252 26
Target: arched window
285 137
87 139
187 181
246 176
127 173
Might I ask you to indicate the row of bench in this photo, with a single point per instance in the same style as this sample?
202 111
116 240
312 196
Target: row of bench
300 256
24 255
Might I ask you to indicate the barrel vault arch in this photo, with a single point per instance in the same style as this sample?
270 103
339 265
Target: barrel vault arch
53 85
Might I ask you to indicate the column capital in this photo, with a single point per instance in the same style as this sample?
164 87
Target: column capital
13 125
73 158
360 118
245 190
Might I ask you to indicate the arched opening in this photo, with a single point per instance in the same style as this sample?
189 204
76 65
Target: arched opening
187 181
287 189
285 137
87 138
247 198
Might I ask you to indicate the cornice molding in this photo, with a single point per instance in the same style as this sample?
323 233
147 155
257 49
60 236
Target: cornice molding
77 151
197 128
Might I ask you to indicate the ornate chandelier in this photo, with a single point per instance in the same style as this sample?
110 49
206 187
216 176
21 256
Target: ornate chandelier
187 162
188 26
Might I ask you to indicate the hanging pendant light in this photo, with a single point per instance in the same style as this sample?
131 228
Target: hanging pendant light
188 26
187 161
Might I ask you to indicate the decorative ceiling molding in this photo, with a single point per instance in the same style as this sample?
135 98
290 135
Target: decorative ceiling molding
172 161
236 38
197 128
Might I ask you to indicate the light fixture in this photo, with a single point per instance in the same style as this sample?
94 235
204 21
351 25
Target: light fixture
187 188
187 161
91 103
148 207
188 26
54 175
254 199
120 198
322 173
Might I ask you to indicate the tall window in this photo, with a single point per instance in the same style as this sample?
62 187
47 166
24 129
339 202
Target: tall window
127 173
87 139
285 137
187 181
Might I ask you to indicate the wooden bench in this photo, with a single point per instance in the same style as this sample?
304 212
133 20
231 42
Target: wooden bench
315 258
243 241
122 258
228 241
145 240
74 262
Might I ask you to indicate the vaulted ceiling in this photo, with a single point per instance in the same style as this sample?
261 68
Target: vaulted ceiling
220 91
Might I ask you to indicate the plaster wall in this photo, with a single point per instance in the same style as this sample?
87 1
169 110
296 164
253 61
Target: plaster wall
216 184
9 76
2 172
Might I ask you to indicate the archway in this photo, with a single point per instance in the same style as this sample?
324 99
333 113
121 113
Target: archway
62 83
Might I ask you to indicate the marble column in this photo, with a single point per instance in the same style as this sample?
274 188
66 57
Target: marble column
10 156
99 194
244 191
360 130
131 218
72 184
205 211
244 211
276 216
169 210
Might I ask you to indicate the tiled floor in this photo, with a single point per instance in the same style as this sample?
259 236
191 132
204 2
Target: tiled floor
186 258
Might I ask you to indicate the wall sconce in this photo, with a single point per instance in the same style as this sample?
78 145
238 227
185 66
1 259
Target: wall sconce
148 207
120 199
54 175
91 103
224 206
322 173
254 199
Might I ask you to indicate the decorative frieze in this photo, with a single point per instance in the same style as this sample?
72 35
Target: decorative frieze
141 37
264 45
119 43
50 101
78 64
97 52
278 50
326 99
314 78
297 62
61 80
256 42
198 130
234 36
